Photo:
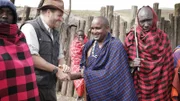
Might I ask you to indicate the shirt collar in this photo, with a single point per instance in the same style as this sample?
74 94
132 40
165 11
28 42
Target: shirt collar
45 25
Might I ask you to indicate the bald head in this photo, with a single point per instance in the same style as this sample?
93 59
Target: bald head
145 17
145 12
99 28
104 21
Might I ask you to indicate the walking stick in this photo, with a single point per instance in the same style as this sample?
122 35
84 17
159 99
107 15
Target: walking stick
137 51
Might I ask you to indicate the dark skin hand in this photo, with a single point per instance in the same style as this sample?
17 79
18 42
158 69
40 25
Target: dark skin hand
136 62
78 75
74 76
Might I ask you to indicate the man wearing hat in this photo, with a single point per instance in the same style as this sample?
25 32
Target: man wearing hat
43 41
17 76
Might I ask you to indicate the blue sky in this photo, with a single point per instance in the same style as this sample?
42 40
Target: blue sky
97 4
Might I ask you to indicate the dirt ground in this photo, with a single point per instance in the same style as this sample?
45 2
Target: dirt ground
65 98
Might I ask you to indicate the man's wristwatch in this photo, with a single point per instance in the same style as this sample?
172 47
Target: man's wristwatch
55 70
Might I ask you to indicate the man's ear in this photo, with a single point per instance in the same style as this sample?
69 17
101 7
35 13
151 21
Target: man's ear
108 29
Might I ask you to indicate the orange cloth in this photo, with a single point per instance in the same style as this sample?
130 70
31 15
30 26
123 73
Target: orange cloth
176 81
174 94
176 86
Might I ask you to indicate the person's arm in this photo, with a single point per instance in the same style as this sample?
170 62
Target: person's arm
42 64
75 76
33 44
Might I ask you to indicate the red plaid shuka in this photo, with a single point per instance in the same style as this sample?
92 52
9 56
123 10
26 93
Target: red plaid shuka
76 54
154 80
17 77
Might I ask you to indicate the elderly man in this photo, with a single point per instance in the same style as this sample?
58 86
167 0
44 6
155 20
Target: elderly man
106 71
150 54
17 77
43 41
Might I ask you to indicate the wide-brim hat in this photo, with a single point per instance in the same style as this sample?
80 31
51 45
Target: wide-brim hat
57 4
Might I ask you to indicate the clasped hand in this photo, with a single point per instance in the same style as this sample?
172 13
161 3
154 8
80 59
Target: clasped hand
63 72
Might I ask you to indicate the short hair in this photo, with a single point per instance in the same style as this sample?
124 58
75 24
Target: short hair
104 20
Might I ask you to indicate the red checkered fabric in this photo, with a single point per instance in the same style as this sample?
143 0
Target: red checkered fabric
154 80
17 77
76 54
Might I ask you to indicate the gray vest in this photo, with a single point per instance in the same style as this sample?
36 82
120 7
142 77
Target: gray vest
48 50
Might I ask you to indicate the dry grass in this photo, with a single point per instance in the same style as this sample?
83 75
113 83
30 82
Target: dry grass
124 13
85 13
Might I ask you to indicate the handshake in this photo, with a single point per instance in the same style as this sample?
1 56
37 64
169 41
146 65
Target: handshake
64 73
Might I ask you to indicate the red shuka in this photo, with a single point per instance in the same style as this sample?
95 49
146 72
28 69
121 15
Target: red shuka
76 54
17 77
154 80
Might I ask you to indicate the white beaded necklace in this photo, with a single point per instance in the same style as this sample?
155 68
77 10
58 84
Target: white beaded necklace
93 49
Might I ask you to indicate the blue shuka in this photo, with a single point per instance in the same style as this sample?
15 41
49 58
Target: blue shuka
107 76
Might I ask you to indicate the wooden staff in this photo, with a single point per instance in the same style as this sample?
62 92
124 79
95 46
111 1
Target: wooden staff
137 51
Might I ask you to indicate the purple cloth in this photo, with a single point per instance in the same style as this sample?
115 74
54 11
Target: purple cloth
108 76
176 55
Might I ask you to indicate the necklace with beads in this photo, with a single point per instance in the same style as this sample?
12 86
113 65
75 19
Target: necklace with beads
93 50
